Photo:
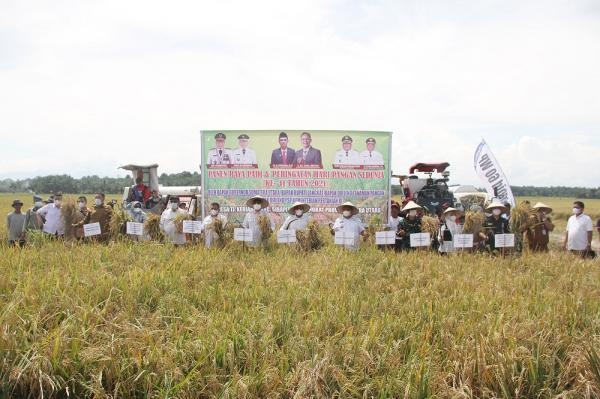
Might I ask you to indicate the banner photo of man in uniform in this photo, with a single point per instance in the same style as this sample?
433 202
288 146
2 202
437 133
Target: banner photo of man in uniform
322 168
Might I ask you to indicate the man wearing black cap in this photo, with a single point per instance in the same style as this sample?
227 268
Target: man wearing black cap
347 156
244 155
370 156
14 224
220 155
283 155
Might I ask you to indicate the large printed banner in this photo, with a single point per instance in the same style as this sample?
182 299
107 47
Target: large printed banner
323 168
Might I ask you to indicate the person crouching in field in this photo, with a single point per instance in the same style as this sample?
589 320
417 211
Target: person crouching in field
167 222
411 224
210 223
14 225
538 234
258 221
349 222
448 228
578 238
298 219
100 214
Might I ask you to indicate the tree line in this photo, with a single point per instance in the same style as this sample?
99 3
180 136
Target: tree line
90 184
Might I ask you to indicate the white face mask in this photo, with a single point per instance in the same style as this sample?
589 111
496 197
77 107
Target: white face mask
412 212
81 205
452 218
174 206
214 212
576 211
496 212
257 207
97 201
299 212
57 203
346 214
38 204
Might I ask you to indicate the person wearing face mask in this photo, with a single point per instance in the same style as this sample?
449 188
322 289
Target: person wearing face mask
578 238
349 222
137 215
494 224
298 219
100 213
411 224
80 214
252 219
208 223
31 221
50 216
538 234
167 222
448 228
154 202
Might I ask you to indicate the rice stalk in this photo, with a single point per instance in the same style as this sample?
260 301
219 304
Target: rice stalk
264 224
310 239
430 224
178 220
68 211
473 222
152 227
117 226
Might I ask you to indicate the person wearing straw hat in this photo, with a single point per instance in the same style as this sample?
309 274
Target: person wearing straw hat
411 224
298 219
253 218
31 221
209 223
349 222
538 233
494 224
448 228
14 224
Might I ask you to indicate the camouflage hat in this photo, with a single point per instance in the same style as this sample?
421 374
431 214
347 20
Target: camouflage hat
346 138
370 140
220 136
243 136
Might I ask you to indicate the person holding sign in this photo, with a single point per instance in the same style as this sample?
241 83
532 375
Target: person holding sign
298 219
100 214
258 221
448 229
411 224
167 222
211 222
538 234
349 223
494 224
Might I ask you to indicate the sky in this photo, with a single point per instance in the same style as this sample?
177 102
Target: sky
86 86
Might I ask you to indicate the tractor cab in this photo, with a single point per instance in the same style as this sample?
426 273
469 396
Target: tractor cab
427 185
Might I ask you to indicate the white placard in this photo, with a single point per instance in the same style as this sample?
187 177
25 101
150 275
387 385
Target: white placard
504 240
286 236
345 238
192 226
134 228
91 229
463 240
420 240
240 234
385 237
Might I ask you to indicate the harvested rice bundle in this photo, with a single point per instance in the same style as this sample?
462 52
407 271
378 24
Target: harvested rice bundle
223 234
152 227
264 225
118 223
68 212
522 216
473 222
430 225
374 226
310 239
178 221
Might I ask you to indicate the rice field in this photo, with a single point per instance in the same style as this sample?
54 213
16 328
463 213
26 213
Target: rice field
147 320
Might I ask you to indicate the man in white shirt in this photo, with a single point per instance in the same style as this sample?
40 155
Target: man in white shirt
578 238
209 224
349 222
167 222
244 155
51 216
370 156
298 219
347 156
252 220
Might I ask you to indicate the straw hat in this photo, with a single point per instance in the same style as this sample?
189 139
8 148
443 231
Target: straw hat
295 205
541 205
263 201
411 205
496 204
340 208
451 210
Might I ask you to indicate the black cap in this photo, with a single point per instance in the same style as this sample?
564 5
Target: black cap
220 136
347 138
243 136
370 140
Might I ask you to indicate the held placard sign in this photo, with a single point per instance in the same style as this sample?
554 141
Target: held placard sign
240 234
134 228
91 229
504 240
286 236
385 237
345 238
463 240
192 226
420 240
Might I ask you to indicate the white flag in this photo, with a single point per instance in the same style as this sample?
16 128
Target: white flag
489 171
